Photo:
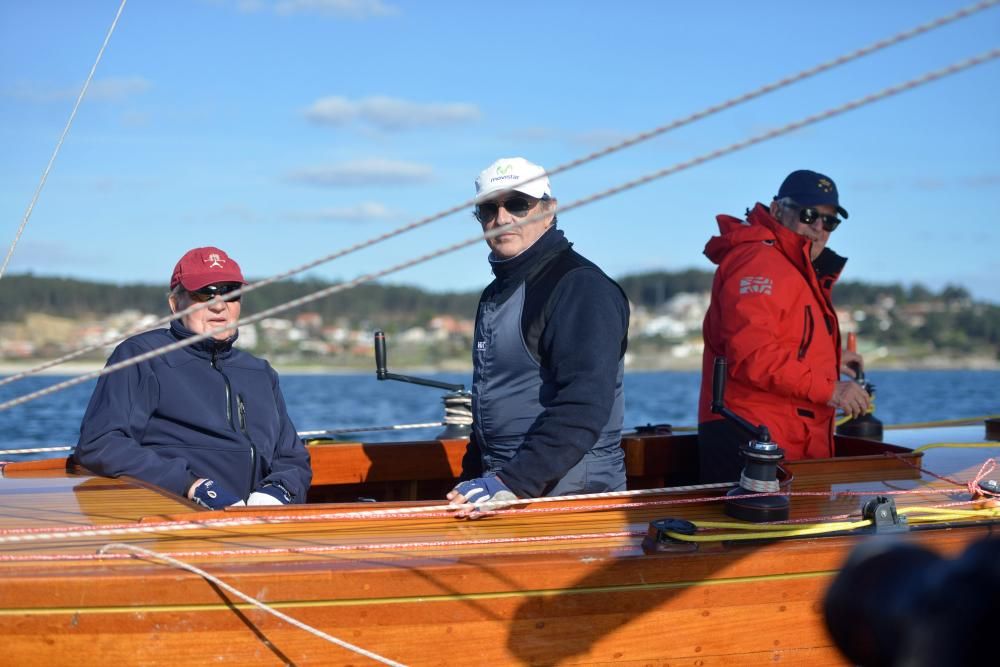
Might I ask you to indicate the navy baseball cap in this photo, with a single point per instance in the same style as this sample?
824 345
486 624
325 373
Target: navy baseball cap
809 188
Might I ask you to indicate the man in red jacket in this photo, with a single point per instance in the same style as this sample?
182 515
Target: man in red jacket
772 318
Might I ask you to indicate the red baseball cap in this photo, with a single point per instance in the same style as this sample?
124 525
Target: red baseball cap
204 266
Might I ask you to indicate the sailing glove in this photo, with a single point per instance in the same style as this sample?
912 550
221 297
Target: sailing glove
270 494
211 495
485 490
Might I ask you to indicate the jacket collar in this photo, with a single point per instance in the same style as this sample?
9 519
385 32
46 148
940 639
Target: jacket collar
207 348
550 243
762 227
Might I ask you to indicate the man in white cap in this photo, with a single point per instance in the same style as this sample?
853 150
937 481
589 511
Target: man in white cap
551 333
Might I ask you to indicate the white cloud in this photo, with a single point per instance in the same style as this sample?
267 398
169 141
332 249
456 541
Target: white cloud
389 113
536 133
351 9
594 138
363 212
978 181
54 256
239 212
117 89
364 172
982 181
355 9
114 89
598 138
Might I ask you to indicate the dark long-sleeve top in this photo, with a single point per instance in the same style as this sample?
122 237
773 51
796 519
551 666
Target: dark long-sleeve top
538 413
205 411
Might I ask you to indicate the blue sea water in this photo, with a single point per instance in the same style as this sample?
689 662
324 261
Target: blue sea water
340 401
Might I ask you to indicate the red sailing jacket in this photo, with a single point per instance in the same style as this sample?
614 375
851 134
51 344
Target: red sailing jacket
772 318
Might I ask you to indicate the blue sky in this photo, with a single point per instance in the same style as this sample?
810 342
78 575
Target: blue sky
286 130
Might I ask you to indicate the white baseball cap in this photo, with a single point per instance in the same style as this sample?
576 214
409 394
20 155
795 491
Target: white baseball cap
508 173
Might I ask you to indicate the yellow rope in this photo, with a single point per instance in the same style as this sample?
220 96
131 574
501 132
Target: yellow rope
958 445
847 418
771 532
966 421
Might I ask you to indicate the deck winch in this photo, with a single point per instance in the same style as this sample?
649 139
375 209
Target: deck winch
760 472
457 402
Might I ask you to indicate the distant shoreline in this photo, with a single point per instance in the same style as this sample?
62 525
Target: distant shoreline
930 363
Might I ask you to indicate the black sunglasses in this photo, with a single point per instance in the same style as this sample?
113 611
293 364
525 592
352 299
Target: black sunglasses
517 206
209 292
807 216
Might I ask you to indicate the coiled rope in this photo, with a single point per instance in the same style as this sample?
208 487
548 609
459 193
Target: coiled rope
173 562
614 148
890 91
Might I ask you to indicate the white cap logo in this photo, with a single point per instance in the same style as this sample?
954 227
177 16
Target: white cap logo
215 260
513 173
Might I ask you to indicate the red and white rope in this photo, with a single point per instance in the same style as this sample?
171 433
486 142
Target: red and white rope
20 535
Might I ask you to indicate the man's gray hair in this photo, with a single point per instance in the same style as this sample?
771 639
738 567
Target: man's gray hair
787 202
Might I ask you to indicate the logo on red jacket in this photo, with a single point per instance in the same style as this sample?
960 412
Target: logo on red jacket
756 285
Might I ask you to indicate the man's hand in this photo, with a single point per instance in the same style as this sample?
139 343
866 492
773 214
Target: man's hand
850 397
269 494
479 492
208 494
851 363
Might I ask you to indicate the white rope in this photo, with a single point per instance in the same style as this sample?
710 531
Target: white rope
301 434
21 535
458 409
72 115
626 143
36 450
246 598
367 429
681 166
758 485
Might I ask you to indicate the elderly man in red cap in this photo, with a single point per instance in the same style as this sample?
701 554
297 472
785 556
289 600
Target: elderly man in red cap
207 421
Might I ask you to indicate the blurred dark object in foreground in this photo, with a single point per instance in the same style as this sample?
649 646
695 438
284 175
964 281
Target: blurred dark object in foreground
895 604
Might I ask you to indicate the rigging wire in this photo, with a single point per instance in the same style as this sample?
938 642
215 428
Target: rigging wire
832 112
626 143
72 115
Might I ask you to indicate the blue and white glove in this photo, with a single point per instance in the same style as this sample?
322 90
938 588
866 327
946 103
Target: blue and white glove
270 494
208 494
483 490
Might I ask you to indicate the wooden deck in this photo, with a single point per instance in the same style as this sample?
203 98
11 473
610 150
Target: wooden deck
551 583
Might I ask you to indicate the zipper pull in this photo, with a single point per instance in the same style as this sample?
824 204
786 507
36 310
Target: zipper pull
242 410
